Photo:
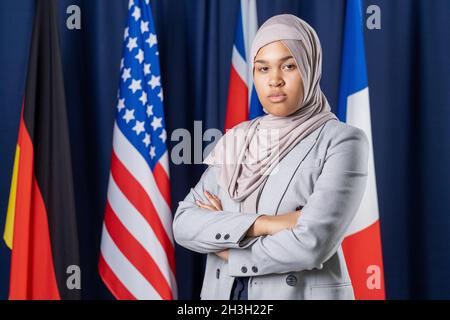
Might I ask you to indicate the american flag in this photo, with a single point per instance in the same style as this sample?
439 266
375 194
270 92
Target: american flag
243 103
137 249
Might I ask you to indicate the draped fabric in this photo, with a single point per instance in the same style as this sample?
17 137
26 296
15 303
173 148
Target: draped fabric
409 78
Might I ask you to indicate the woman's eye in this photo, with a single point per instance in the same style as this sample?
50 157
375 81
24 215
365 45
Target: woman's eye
263 69
289 66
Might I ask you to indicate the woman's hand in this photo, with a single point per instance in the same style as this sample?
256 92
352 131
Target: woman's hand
277 223
215 203
269 225
223 254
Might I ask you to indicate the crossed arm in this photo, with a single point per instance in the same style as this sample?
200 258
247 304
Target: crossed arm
263 225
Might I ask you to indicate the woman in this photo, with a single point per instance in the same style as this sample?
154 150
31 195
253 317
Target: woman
280 191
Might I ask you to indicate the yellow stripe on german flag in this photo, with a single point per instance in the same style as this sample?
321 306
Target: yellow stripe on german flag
9 225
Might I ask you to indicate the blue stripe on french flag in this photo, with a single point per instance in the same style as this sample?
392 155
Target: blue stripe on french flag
362 245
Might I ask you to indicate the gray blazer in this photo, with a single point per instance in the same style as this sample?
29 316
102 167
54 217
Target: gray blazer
325 174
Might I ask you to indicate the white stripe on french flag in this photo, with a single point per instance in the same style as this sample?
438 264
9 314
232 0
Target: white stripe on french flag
362 245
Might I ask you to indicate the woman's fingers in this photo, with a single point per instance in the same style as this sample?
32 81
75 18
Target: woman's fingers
214 205
214 201
205 206
223 254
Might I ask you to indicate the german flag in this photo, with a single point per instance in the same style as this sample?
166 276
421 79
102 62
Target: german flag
41 222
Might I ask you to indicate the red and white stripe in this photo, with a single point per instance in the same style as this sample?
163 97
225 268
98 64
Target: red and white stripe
362 245
241 75
137 249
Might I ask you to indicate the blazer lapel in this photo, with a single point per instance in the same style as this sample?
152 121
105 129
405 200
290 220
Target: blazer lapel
277 184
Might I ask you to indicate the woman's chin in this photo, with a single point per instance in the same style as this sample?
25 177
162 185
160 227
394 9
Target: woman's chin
278 111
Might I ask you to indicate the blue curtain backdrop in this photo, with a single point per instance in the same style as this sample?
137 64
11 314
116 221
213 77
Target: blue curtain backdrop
409 79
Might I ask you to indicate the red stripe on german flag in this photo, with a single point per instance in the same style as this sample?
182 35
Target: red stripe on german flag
32 271
42 218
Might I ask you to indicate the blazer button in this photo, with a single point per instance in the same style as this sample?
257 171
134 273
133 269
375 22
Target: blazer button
227 236
244 269
217 273
255 269
291 280
218 236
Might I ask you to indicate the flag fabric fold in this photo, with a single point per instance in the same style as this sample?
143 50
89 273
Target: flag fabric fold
362 244
41 224
243 103
137 259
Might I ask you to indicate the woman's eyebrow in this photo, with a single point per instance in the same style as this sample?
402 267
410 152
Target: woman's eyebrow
280 60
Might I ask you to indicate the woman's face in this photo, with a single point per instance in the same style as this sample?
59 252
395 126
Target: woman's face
277 80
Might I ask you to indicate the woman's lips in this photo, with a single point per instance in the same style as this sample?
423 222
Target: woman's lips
277 98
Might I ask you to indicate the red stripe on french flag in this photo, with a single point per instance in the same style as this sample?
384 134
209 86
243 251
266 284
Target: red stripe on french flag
366 266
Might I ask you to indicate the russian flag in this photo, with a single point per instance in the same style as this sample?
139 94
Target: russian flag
243 103
362 244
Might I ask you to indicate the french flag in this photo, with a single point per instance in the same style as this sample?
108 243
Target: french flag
362 244
243 103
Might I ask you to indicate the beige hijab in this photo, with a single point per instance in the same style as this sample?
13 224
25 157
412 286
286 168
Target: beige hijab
251 151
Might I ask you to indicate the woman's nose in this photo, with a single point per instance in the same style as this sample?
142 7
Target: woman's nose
276 82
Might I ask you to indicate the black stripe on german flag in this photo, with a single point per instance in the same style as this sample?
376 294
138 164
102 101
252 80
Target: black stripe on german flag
45 241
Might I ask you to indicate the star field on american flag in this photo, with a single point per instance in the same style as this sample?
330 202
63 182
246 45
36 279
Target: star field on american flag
140 113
